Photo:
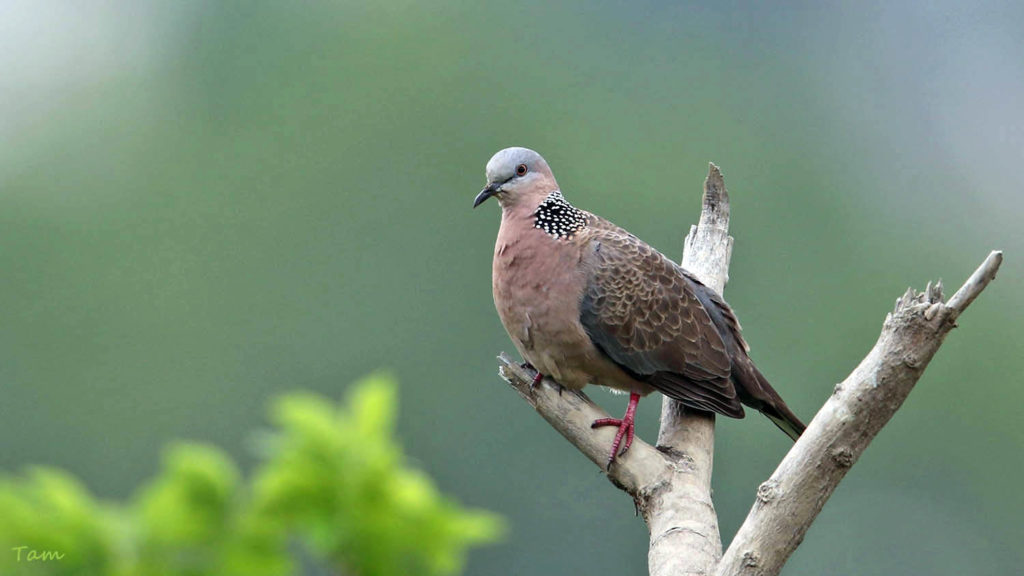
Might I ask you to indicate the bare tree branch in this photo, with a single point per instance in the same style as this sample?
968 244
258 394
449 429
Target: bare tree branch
671 484
682 522
861 405
571 413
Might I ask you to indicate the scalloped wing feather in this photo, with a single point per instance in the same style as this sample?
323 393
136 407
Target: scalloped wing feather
641 310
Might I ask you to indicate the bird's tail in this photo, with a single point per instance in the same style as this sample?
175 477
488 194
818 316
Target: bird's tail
752 387
760 395
785 420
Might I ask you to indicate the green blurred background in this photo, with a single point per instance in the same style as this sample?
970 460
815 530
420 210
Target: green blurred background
205 204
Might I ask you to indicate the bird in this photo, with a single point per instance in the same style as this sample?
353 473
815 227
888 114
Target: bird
586 302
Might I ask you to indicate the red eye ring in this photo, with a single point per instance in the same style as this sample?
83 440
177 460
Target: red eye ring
521 170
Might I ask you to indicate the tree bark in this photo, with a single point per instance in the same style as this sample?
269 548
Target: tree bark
682 520
671 484
860 406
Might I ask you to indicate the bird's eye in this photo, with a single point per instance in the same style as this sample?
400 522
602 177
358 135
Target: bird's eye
521 170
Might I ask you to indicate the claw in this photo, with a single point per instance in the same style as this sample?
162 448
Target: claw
625 425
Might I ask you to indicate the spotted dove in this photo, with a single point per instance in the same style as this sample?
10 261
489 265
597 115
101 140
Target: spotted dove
585 301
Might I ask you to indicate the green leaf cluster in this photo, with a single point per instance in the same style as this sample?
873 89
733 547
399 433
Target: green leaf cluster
332 489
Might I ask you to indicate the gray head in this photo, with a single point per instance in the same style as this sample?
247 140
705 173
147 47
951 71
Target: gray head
515 175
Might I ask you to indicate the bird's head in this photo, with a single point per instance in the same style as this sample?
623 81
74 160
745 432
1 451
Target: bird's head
516 176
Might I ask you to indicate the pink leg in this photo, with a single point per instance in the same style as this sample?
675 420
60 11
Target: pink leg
625 427
537 378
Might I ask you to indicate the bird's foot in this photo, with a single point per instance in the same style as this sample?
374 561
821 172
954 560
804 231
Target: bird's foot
625 425
537 378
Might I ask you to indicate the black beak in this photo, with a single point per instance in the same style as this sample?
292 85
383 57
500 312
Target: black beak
491 189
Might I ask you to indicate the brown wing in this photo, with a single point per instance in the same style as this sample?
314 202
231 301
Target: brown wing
640 310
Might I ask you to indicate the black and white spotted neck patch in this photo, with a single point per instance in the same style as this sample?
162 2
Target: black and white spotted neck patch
558 218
